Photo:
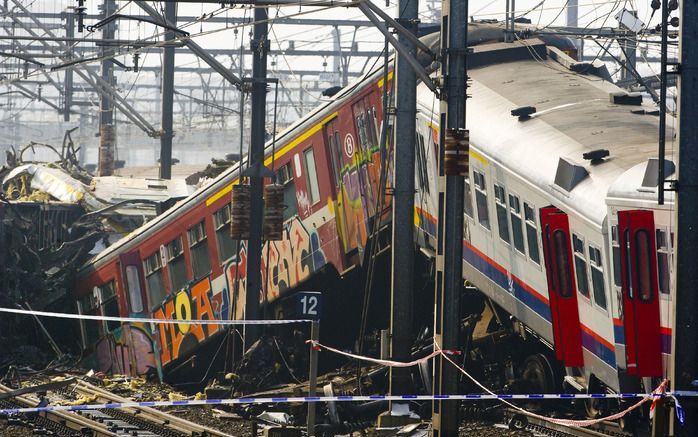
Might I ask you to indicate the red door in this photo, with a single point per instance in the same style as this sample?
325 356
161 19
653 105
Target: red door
640 298
133 280
562 291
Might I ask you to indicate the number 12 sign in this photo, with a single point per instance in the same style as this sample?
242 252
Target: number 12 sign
309 304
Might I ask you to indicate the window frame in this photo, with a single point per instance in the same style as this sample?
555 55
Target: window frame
308 182
532 223
583 256
147 272
664 249
481 189
597 265
194 245
501 206
223 227
522 224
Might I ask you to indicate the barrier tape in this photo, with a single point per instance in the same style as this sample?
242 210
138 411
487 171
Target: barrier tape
317 399
319 346
659 391
147 320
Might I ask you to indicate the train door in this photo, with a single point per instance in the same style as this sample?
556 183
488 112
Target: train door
640 293
133 280
365 128
136 343
346 228
561 288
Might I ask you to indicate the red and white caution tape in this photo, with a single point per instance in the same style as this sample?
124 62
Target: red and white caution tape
388 363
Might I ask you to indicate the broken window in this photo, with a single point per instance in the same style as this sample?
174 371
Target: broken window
153 278
200 262
226 244
176 264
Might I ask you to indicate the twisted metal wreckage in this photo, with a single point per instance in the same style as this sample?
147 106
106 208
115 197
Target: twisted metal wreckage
54 215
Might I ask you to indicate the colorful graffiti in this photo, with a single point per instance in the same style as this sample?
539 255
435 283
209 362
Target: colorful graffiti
194 302
285 264
127 350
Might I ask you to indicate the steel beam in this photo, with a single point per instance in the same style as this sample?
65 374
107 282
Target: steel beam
259 45
168 68
684 347
403 245
195 48
449 255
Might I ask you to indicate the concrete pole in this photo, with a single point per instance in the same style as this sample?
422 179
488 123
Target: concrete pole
107 133
685 333
573 21
337 67
402 284
260 47
449 255
68 82
168 67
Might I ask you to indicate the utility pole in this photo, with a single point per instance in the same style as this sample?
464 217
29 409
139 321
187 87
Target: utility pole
573 21
453 165
260 47
685 333
629 52
107 133
68 82
168 66
402 291
337 58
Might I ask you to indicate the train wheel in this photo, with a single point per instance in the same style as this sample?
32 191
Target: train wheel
538 374
595 407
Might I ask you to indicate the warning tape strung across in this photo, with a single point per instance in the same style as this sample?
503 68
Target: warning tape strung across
316 399
319 346
155 321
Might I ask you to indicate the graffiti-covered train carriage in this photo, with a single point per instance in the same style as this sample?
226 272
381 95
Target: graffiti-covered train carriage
563 235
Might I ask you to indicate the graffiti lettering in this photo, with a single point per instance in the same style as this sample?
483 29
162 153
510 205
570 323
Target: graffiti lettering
127 350
285 264
192 303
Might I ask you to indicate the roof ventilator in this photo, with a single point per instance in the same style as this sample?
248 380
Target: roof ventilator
650 180
623 98
569 174
596 156
523 112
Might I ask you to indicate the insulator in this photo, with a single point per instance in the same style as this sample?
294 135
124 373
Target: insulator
273 227
240 212
456 152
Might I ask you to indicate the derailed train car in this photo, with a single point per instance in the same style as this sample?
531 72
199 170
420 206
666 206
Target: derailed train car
563 234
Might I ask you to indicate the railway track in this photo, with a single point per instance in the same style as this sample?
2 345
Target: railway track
134 422
540 426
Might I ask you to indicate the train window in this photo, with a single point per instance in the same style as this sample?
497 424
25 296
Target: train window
226 244
597 276
198 246
580 265
643 265
311 176
500 200
176 264
531 233
468 198
284 177
663 261
421 162
134 289
562 261
483 215
87 304
109 305
516 223
153 277
615 247
361 128
373 123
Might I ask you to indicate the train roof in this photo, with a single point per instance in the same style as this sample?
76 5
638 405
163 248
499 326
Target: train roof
574 114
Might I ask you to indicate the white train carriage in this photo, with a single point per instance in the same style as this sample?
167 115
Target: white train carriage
546 227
